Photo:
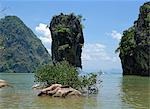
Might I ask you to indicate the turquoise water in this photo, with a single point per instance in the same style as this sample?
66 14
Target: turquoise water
115 92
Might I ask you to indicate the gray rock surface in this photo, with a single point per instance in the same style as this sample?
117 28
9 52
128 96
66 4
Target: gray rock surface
67 39
135 45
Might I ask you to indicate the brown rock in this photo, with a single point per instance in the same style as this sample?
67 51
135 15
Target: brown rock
57 90
3 83
52 87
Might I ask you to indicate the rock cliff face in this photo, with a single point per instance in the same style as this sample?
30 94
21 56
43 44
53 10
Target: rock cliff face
67 39
135 45
20 49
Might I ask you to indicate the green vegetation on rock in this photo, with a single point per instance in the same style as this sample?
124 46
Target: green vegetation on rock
67 41
127 44
20 50
134 47
65 74
67 38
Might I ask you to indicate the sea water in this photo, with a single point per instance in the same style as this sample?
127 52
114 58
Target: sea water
115 92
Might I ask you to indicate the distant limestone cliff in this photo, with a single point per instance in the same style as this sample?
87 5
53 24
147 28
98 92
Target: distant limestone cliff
20 50
67 39
135 45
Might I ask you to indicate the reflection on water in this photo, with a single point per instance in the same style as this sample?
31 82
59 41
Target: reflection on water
115 92
136 92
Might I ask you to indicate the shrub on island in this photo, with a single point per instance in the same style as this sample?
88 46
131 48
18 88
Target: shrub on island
66 75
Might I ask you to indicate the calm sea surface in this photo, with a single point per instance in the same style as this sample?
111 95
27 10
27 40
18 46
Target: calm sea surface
115 92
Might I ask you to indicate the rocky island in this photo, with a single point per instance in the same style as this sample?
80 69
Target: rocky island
134 47
20 49
62 77
67 39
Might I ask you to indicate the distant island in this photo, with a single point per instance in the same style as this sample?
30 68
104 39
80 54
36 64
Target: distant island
20 49
134 48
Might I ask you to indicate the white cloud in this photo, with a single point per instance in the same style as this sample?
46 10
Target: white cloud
95 57
44 35
115 35
43 29
95 51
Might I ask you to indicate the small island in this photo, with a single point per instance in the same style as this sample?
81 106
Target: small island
62 76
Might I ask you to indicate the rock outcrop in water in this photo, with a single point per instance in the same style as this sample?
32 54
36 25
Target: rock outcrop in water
20 50
135 45
57 90
67 39
4 83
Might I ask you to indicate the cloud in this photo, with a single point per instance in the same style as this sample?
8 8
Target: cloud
115 35
95 57
92 52
43 29
44 35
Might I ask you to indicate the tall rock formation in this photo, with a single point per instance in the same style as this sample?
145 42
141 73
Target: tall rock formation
20 50
135 45
67 39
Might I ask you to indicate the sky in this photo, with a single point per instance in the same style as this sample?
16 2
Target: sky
105 22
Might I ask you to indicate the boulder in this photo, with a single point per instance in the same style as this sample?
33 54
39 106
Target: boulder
4 83
52 87
57 90
63 92
74 92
